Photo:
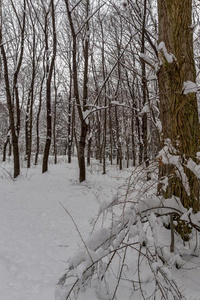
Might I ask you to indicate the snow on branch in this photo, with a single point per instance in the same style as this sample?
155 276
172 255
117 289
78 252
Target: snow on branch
149 61
168 56
189 87
192 166
127 231
167 156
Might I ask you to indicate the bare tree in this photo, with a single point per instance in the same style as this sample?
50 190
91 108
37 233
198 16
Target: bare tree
12 92
81 107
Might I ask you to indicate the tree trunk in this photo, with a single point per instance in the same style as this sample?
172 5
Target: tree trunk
144 96
81 152
110 134
89 145
48 89
38 121
178 108
5 145
80 108
55 119
69 126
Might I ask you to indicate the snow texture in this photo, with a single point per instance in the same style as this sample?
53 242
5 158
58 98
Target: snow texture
168 156
38 239
189 87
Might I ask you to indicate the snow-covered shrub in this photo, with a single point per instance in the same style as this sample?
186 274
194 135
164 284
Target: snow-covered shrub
134 257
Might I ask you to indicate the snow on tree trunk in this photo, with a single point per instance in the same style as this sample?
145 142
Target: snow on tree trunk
178 108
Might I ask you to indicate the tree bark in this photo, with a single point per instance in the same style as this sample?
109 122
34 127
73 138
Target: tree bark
178 108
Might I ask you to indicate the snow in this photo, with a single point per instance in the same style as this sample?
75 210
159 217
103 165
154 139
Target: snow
198 155
168 56
189 87
166 154
152 77
151 62
85 115
38 239
159 125
145 108
146 58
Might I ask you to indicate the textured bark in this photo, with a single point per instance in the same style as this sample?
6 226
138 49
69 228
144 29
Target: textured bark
178 111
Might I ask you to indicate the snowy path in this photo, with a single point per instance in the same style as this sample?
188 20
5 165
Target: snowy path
36 235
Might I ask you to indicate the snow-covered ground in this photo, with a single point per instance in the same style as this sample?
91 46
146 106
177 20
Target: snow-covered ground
37 236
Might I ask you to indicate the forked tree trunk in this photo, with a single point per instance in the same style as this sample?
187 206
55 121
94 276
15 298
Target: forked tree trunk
81 107
178 108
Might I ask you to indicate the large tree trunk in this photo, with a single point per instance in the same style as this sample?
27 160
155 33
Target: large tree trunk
178 108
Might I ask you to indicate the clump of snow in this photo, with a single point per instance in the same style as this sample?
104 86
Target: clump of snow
193 167
168 56
189 87
145 108
159 125
185 216
168 157
198 155
151 77
85 116
147 59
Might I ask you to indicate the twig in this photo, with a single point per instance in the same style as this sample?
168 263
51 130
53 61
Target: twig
77 231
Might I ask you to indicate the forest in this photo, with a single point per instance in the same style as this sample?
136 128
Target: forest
106 86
